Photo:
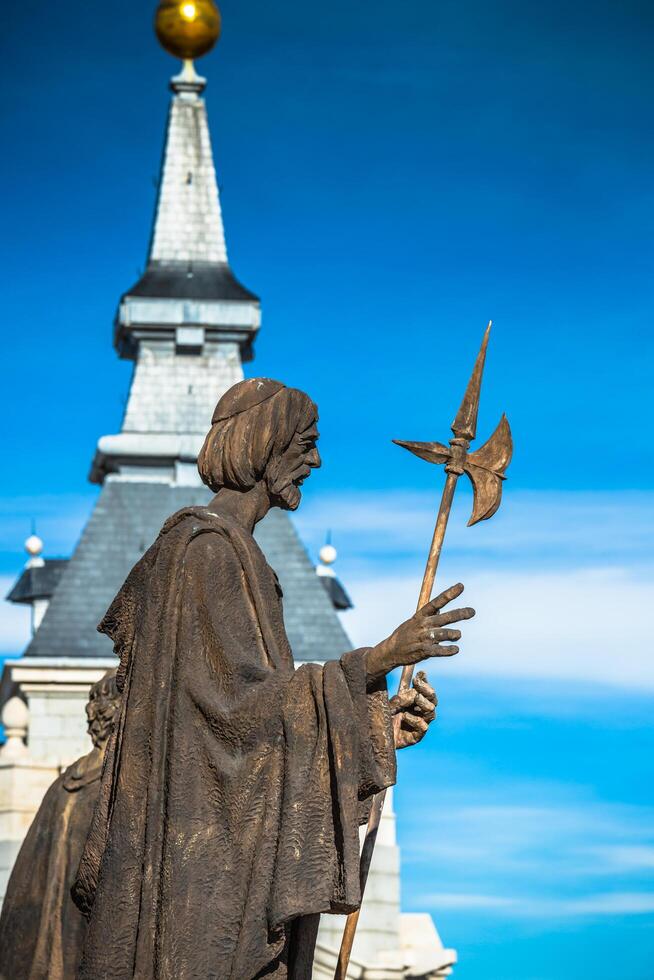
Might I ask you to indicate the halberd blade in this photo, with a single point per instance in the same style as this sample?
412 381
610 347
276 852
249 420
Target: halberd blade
486 468
433 452
487 487
497 451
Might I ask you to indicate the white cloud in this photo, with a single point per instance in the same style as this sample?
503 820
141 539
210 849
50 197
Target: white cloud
465 900
576 858
562 582
579 526
576 838
572 859
592 625
610 903
622 858
587 906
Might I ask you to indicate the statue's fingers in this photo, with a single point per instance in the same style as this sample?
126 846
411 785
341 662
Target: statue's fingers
422 686
442 600
414 723
436 634
438 651
452 616
403 701
422 706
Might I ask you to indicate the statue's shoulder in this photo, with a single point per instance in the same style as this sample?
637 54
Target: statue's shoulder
185 522
199 536
83 771
199 531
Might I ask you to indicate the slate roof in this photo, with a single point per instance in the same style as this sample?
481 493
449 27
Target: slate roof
126 520
190 280
38 581
339 597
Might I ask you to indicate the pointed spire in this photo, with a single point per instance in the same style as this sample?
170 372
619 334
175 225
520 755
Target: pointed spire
188 292
188 225
464 425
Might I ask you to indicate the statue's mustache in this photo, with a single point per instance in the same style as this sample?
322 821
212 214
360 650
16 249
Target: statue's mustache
299 475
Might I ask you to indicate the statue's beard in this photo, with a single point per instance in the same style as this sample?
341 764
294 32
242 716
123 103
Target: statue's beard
284 485
100 727
289 497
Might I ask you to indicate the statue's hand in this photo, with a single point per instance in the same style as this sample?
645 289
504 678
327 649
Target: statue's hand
420 638
416 708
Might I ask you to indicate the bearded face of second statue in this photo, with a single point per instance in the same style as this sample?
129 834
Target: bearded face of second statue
101 710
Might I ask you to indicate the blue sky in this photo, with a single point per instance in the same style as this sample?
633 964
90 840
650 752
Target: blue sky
391 178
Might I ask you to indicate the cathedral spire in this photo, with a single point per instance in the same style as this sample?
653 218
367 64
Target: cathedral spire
188 224
188 293
188 325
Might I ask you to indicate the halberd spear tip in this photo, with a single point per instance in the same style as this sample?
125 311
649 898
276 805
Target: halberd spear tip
464 425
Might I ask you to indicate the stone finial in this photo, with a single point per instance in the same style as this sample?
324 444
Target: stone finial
328 556
15 718
324 569
34 547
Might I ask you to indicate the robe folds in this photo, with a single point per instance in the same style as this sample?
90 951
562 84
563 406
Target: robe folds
41 930
234 785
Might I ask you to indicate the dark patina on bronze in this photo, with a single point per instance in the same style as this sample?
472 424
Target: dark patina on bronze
41 931
234 786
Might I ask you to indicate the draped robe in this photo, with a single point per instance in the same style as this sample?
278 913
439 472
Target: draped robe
234 785
41 931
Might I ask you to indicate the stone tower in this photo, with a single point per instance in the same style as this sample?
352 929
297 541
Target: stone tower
188 325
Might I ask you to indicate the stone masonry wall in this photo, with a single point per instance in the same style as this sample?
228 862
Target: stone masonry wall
177 393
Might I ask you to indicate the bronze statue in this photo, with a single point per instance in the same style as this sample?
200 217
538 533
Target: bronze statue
41 931
234 786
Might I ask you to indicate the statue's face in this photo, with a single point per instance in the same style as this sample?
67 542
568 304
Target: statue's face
286 474
100 712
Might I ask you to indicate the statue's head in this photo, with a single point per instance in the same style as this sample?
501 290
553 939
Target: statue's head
262 432
102 708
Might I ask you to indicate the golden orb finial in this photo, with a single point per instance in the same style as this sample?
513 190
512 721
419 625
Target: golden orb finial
187 28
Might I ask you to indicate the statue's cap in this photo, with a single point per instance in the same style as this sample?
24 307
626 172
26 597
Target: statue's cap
244 395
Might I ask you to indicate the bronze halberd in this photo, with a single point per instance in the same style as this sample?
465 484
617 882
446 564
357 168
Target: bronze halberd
486 468
41 931
234 785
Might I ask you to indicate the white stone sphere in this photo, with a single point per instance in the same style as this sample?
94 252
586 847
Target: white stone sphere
34 545
328 554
